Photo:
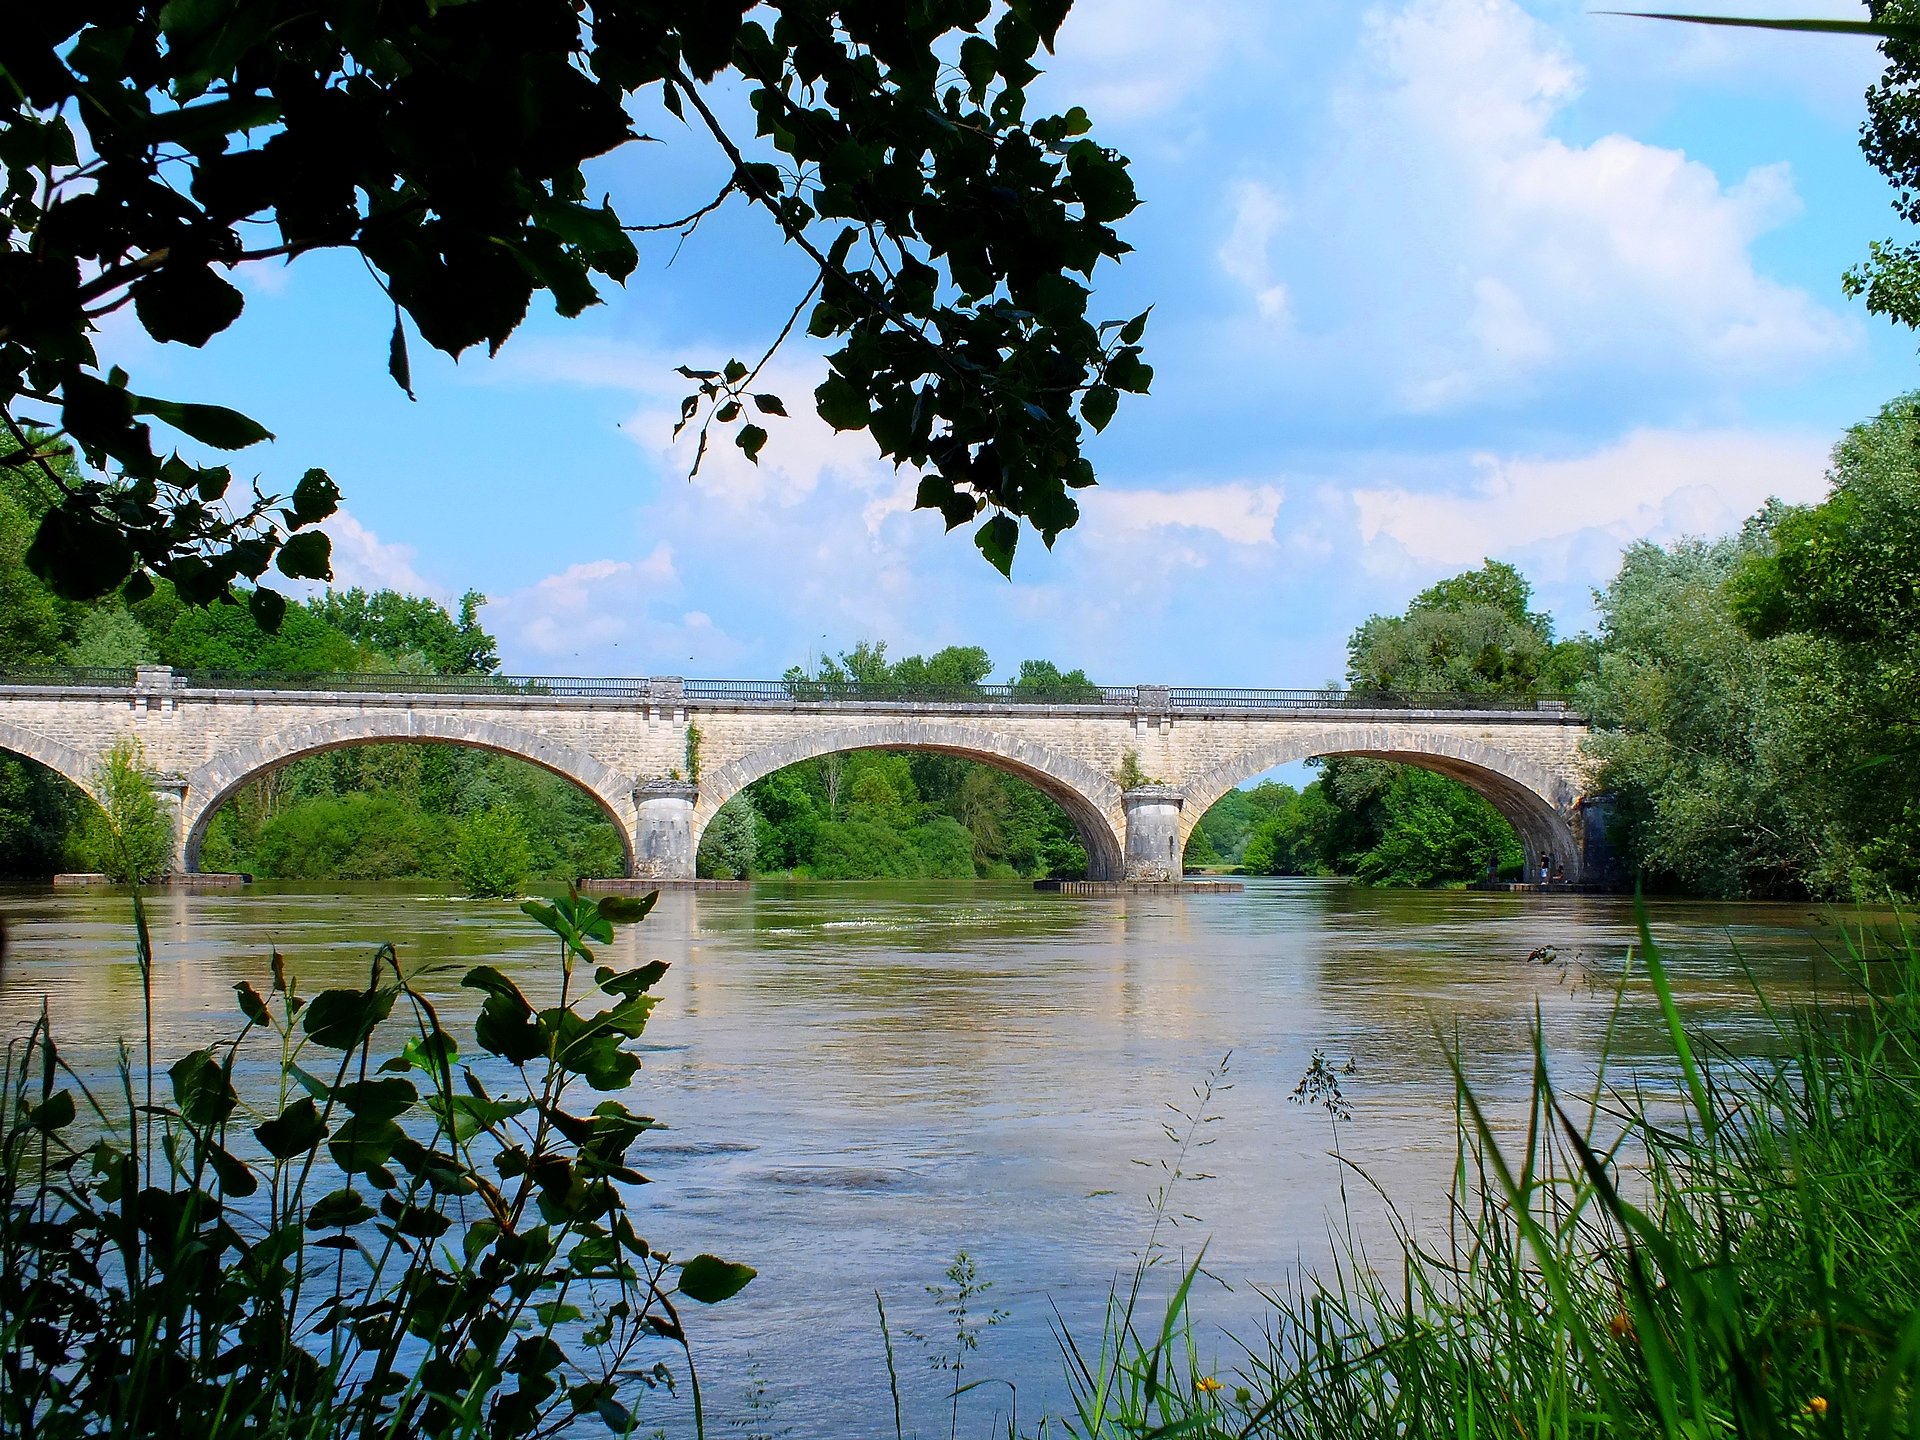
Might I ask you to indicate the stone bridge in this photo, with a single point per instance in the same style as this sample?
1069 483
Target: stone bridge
1134 766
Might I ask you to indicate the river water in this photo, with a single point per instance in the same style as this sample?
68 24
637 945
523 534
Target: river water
863 1081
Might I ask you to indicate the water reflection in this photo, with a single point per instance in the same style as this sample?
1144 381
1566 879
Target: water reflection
864 1079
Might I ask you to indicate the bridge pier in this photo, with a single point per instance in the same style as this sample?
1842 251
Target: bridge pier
1153 832
663 846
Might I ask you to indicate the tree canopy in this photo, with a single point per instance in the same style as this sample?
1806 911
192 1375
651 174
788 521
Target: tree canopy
1470 634
149 149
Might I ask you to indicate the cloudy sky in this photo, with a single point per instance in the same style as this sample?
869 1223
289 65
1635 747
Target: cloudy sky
1432 280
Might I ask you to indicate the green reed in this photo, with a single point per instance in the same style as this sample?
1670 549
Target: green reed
1720 1244
373 1235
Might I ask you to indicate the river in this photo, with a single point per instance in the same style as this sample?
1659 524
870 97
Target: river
862 1080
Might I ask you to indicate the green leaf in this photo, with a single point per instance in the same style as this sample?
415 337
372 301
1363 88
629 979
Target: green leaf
996 540
629 983
186 303
841 403
236 1178
338 1210
341 1019
1126 372
1098 404
201 1089
269 608
306 556
251 1005
1886 29
398 365
770 404
590 1049
361 1145
56 1113
377 1099
709 1279
314 498
294 1131
505 1025
433 1053
80 554
750 440
1131 332
213 425
627 909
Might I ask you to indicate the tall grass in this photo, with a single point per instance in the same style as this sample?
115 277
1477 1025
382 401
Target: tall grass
1719 1244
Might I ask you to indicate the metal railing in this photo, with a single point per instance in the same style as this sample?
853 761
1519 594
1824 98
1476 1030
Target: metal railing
69 676
674 690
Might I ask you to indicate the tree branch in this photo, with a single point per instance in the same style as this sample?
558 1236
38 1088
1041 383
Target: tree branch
688 221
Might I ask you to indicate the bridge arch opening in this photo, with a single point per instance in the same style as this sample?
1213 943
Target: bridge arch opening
45 810
853 802
371 805
1533 803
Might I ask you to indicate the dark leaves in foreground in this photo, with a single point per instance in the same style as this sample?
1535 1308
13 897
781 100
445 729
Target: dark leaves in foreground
423 1238
150 154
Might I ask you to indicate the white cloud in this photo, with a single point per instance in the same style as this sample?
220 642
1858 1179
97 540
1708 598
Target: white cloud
610 612
1136 59
1474 253
1257 218
1241 513
1567 515
362 558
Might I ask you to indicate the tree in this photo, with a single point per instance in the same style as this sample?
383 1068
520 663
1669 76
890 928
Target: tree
1694 736
729 848
414 631
1834 589
1041 681
1471 634
149 150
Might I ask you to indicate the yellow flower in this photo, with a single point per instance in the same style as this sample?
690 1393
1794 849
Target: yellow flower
1621 1325
1206 1385
1817 1406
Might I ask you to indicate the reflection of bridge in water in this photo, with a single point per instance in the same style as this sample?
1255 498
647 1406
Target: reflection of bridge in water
1135 766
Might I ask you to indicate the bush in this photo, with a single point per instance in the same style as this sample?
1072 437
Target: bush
492 854
130 838
347 837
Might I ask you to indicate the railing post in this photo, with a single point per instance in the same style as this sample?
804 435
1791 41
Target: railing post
153 687
666 698
1153 707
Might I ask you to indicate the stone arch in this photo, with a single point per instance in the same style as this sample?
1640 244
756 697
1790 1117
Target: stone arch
1091 799
1531 798
208 787
65 761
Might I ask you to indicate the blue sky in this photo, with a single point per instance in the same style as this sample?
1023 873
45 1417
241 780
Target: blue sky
1432 280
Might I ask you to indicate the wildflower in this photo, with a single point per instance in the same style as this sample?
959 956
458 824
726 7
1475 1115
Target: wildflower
1817 1406
1206 1385
1621 1325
